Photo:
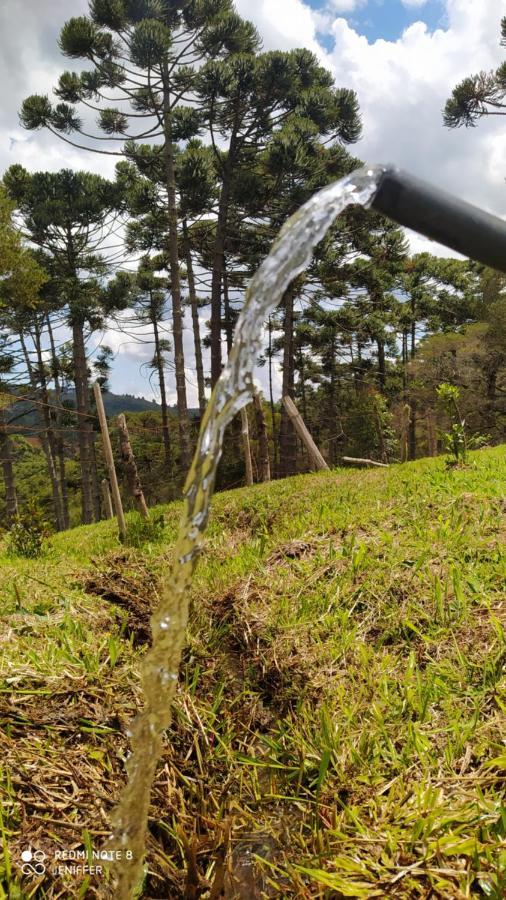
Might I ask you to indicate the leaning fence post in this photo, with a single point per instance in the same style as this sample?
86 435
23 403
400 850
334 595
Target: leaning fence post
113 479
307 440
127 455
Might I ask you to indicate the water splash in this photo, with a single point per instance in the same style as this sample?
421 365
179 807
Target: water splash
289 256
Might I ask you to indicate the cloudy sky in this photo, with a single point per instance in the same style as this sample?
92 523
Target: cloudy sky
403 57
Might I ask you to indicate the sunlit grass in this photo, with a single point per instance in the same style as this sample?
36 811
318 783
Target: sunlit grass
340 718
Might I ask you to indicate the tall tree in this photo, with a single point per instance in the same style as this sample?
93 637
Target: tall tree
248 99
147 295
69 216
145 53
6 453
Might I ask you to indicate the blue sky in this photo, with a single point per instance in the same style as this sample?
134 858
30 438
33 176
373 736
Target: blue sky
386 19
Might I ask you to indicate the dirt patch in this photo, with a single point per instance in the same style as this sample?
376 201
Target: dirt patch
280 665
128 584
292 550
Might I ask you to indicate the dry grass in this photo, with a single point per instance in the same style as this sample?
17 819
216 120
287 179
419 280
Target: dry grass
339 724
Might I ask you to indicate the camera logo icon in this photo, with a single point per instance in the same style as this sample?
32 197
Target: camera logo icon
33 862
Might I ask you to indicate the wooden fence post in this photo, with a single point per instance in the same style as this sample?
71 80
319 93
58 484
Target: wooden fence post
116 496
246 446
134 482
307 440
364 462
263 440
405 420
106 499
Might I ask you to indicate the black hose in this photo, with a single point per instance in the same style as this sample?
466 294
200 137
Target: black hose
442 217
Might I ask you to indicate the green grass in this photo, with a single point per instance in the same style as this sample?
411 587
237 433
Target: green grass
339 726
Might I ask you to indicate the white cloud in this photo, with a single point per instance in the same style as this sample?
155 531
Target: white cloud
344 6
402 87
413 4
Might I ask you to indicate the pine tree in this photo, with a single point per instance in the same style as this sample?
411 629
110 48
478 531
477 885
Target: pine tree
248 100
478 96
66 214
146 54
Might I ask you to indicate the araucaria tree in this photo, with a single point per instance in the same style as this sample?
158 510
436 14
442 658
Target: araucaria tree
249 101
478 96
21 280
69 215
142 56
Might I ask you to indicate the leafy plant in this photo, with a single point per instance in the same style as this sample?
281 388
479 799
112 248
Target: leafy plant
28 532
457 441
145 531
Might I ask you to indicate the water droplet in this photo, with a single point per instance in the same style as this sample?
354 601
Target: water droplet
205 442
188 557
167 677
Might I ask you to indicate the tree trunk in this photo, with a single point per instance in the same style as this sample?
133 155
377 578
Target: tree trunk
332 408
175 281
95 486
405 420
195 321
264 467
431 433
491 410
37 383
380 343
246 446
60 443
219 253
405 365
106 499
11 501
229 328
167 452
84 426
271 404
380 433
132 475
413 328
287 437
49 440
412 431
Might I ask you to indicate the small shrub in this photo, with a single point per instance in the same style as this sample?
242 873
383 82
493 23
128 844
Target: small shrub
457 441
28 533
145 531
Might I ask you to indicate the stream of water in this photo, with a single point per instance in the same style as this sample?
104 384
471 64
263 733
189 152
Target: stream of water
289 256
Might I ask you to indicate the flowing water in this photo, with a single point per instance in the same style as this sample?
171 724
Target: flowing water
289 256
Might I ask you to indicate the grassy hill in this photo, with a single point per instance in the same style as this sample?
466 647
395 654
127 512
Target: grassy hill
339 725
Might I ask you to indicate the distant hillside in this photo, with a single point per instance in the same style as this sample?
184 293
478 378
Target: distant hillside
122 403
114 404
